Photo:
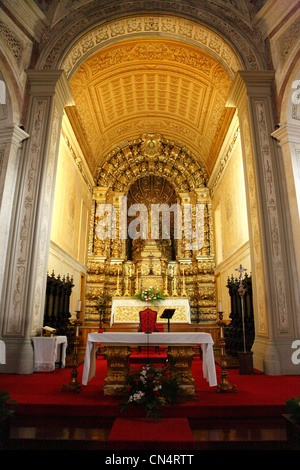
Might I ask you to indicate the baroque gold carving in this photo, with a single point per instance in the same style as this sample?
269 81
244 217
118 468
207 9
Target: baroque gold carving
180 363
152 170
172 161
117 368
131 314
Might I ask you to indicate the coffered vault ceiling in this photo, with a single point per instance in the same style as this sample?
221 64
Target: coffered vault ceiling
149 86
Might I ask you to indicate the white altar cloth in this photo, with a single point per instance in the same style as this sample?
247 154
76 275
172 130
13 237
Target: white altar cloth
45 352
153 339
126 309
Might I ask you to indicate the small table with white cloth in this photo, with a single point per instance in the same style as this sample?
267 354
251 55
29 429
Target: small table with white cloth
49 350
2 352
180 355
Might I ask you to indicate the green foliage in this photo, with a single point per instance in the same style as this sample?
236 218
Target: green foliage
293 408
7 405
101 303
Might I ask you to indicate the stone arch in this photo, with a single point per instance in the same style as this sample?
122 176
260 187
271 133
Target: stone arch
11 111
218 29
290 105
199 36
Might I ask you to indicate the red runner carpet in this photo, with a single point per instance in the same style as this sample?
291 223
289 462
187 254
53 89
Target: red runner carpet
140 433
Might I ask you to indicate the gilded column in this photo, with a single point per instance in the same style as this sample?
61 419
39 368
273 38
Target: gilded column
26 268
251 94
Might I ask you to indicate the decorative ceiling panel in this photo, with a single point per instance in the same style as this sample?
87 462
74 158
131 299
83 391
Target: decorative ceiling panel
148 85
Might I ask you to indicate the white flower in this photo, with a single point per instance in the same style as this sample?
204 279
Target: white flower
137 396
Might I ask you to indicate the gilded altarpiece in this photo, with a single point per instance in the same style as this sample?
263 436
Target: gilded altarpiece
152 171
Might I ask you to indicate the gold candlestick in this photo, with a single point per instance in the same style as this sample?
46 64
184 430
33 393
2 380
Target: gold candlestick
74 384
136 284
118 293
224 386
174 292
126 293
166 292
184 294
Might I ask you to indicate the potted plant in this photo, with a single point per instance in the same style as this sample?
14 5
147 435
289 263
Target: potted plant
292 422
152 388
7 410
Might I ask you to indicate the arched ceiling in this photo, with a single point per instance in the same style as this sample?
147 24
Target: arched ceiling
150 85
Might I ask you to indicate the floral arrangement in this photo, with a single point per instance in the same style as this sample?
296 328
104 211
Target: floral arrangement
151 387
100 306
150 295
100 303
293 409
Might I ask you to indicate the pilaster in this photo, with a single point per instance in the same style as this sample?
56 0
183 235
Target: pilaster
274 297
11 139
288 139
26 267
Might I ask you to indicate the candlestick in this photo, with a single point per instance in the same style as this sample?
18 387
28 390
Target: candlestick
166 292
174 291
74 384
126 293
242 292
224 386
118 293
136 283
183 284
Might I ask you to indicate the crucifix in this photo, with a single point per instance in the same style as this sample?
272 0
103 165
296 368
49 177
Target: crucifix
241 270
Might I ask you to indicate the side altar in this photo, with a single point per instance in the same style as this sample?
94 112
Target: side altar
126 310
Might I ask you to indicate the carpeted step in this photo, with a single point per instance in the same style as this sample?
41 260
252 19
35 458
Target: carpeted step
146 434
57 438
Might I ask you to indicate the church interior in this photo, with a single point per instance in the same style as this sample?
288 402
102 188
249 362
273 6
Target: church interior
150 145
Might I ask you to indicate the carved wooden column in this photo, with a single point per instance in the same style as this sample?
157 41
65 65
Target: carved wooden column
117 368
26 268
268 226
180 362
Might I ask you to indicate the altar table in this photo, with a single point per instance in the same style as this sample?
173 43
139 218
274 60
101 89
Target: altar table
126 309
46 352
180 355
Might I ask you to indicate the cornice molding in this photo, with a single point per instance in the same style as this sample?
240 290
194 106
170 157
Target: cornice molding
50 82
247 83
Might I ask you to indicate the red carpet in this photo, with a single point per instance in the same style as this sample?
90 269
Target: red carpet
257 395
140 433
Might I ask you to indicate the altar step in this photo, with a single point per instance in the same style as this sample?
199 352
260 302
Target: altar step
224 435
